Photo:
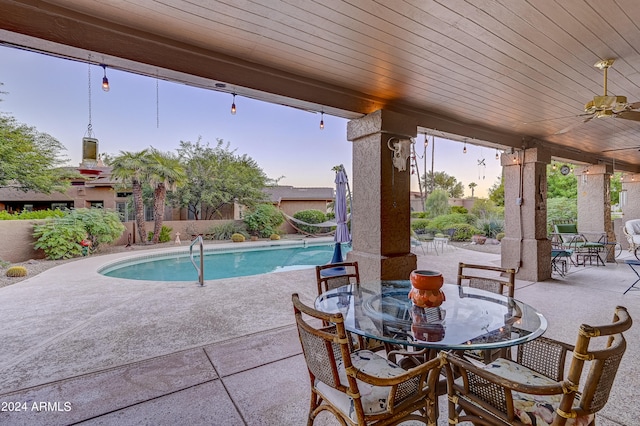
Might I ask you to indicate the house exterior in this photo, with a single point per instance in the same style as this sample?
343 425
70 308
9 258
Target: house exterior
291 200
94 187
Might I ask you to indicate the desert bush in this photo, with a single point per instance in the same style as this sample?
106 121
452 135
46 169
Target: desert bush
500 236
491 227
264 220
459 209
226 230
311 216
447 221
464 232
165 234
27 215
274 237
237 238
60 237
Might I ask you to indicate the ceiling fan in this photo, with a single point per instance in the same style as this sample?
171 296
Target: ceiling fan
607 106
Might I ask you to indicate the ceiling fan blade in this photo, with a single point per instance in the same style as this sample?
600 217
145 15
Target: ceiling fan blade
629 115
634 105
574 125
556 118
622 149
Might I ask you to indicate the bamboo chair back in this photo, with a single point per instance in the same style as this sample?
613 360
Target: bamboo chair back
328 353
474 276
488 398
348 274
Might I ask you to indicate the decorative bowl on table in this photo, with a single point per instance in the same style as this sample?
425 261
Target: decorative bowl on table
425 288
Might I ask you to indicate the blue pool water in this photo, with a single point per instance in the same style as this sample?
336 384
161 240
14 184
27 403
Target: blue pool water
223 264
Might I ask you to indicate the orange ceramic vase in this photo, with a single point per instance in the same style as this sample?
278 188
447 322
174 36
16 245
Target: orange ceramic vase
425 291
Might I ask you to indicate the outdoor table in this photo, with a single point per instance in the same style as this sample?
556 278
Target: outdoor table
559 259
634 265
468 319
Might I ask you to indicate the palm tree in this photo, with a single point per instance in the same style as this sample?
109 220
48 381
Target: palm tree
165 173
131 167
472 185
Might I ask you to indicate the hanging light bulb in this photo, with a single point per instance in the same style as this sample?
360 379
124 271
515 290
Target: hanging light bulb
426 141
497 155
464 150
321 120
105 80
554 167
233 105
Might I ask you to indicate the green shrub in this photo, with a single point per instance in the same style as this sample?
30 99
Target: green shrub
420 225
419 215
459 209
16 271
165 234
274 237
60 237
499 236
491 227
311 216
464 232
237 238
226 230
447 221
27 215
264 220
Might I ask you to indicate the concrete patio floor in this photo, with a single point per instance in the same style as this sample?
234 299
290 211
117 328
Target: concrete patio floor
81 348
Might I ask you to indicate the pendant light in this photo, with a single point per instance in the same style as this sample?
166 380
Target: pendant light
105 80
233 105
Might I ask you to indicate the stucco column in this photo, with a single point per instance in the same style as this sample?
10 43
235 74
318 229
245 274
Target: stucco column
381 212
631 184
594 202
525 246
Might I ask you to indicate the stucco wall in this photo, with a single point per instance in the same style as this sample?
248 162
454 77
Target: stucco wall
16 241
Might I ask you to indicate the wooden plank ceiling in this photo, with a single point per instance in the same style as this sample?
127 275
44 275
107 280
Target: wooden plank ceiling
498 72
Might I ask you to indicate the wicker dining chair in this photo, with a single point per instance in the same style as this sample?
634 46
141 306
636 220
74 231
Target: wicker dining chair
491 278
534 389
360 387
334 275
496 280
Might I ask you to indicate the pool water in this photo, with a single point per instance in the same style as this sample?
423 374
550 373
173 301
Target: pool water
223 264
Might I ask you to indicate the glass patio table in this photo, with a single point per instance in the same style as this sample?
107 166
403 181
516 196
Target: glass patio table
468 319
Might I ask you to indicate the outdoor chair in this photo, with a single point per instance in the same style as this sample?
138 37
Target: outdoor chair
360 387
566 236
334 275
534 389
486 277
490 278
631 230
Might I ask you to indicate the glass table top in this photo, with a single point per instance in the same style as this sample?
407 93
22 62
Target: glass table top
469 318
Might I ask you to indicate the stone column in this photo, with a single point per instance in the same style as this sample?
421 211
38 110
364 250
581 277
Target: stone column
594 203
525 246
381 212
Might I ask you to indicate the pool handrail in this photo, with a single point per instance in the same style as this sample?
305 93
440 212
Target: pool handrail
200 270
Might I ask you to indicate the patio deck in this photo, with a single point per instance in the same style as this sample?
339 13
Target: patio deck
109 351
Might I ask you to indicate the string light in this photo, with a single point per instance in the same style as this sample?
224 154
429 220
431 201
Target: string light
233 105
105 80
497 155
321 120
464 150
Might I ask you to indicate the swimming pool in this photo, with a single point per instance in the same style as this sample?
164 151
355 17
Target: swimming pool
223 263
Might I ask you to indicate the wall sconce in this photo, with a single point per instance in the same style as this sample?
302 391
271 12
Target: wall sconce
105 80
401 151
233 105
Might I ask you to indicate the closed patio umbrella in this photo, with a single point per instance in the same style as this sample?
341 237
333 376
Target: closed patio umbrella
340 208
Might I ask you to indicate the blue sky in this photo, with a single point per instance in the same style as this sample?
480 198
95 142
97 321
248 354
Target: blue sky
52 94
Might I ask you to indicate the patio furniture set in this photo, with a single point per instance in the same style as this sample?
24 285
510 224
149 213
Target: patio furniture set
482 348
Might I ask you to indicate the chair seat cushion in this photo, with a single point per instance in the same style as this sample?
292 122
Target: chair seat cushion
374 398
536 410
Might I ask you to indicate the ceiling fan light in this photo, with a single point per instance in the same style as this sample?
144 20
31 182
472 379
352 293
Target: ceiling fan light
590 107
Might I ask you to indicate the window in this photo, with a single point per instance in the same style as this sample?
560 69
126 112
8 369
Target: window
148 213
125 210
59 206
96 204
